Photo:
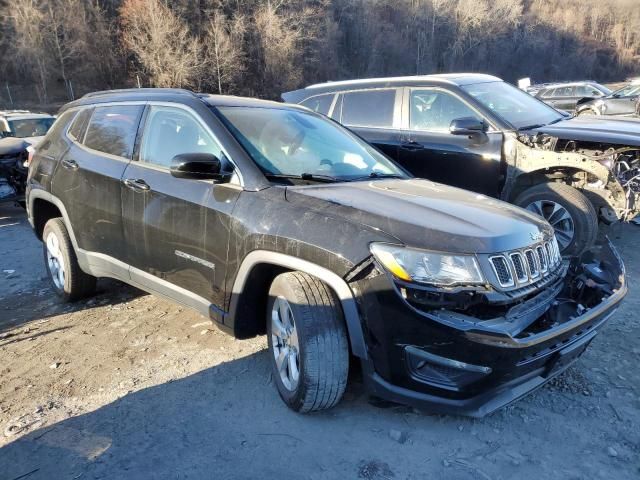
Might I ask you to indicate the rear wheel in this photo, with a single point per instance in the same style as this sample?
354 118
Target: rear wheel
308 344
68 280
569 212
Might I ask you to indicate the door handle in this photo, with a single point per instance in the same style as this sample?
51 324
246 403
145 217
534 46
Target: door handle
412 146
136 184
70 164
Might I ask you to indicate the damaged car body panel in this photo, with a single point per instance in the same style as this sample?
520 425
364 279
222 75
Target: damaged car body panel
451 300
600 157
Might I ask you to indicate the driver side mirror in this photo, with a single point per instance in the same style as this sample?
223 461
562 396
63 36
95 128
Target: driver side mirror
466 126
198 166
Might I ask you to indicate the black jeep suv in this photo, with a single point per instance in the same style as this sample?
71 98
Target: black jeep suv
269 218
477 132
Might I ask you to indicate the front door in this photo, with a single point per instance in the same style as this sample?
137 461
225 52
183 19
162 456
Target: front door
176 230
429 150
622 102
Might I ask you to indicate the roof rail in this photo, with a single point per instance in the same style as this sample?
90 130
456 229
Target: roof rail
180 91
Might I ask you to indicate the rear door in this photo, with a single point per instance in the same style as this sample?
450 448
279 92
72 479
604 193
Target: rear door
89 175
176 230
429 150
374 115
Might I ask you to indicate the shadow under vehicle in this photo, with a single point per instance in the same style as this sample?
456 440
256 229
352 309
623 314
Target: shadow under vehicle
479 133
269 218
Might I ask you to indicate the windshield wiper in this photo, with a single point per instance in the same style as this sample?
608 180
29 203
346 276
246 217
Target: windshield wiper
305 176
376 175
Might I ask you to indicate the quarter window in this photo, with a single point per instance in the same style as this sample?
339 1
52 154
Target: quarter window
172 131
319 103
372 108
79 125
113 129
435 110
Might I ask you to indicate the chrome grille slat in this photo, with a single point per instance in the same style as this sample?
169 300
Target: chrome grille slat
523 267
542 259
518 267
534 270
502 271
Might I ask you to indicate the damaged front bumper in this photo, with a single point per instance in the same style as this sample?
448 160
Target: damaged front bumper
430 359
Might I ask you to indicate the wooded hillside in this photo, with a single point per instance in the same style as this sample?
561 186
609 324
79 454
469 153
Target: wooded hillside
52 49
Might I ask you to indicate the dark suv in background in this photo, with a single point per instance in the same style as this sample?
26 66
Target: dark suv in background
269 218
479 133
565 95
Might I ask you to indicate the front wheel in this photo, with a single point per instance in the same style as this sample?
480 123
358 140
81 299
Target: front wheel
569 212
587 112
308 344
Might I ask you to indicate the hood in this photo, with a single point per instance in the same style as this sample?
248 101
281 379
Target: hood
10 145
624 131
428 215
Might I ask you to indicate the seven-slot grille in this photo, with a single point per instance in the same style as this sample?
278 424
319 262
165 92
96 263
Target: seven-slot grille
523 267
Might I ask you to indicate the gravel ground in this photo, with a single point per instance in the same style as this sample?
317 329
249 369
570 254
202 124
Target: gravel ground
126 385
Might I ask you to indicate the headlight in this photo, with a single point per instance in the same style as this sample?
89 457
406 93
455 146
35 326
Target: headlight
421 266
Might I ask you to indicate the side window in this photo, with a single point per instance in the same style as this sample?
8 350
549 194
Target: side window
171 131
373 108
435 110
319 103
564 92
113 129
79 125
54 144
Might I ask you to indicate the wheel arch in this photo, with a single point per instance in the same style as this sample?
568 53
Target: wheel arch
548 174
44 206
249 295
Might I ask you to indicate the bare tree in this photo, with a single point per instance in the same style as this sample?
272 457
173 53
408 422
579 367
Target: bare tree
160 42
224 54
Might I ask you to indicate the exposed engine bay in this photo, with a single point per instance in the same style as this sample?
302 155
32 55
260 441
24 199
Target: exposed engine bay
609 174
583 283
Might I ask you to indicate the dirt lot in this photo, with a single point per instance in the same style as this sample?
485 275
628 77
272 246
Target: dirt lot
126 385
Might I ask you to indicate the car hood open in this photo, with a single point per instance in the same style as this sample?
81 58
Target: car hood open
625 131
428 215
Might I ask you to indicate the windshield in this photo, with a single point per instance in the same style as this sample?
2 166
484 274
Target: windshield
628 91
516 107
292 143
29 127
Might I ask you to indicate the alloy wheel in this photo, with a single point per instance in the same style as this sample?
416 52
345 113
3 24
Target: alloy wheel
55 261
285 344
558 217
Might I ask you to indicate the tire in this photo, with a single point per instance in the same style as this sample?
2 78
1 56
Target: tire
587 112
73 284
542 198
320 341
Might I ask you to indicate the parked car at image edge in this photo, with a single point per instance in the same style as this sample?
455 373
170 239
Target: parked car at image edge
565 95
623 102
20 130
269 218
479 133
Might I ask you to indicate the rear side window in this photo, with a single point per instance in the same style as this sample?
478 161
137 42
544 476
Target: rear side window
319 103
373 108
79 125
113 129
53 144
